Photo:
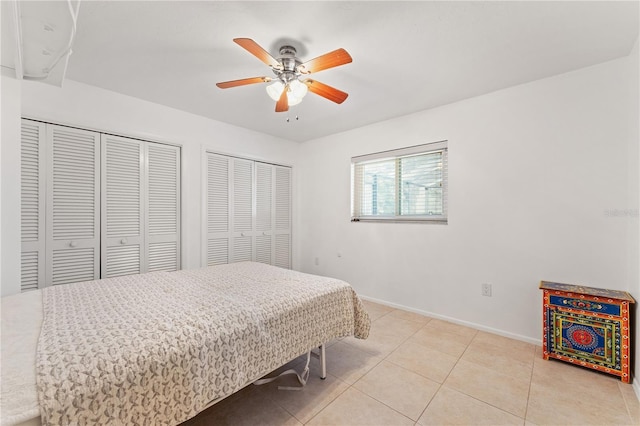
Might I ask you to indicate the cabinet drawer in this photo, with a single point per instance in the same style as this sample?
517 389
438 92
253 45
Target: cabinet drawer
585 305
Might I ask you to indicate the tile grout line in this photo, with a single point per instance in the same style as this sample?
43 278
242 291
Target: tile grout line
383 403
446 377
384 358
533 365
277 404
624 398
460 357
439 385
473 397
328 403
349 385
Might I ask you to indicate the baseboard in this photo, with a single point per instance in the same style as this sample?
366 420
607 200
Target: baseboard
481 327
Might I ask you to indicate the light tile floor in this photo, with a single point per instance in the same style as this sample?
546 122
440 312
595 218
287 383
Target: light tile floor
415 370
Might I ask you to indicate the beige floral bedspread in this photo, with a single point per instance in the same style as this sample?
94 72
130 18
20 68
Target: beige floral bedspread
157 348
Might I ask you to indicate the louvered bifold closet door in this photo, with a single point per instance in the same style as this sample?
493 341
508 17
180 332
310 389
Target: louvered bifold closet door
282 228
32 204
247 213
73 205
122 206
264 209
242 220
218 204
162 207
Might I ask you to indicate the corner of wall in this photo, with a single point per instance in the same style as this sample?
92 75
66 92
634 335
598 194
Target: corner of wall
633 242
10 112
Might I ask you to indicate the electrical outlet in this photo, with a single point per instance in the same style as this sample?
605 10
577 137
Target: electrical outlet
317 261
486 289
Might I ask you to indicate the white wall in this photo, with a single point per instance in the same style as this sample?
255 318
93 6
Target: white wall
533 171
93 108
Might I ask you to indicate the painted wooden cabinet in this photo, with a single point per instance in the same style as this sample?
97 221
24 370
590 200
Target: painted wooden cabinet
587 326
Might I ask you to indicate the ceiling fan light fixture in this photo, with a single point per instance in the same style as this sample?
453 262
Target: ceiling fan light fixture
297 91
275 90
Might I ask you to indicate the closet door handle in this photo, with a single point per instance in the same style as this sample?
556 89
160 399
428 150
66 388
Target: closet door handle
73 244
242 234
265 233
123 241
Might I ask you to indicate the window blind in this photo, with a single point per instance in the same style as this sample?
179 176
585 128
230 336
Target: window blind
408 184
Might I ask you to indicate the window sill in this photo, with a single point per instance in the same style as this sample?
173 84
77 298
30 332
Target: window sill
423 220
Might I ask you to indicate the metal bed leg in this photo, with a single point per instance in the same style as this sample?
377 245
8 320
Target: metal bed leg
323 362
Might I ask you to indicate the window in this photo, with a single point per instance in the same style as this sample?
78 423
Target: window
408 184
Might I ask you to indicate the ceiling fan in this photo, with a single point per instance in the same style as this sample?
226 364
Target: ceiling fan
288 89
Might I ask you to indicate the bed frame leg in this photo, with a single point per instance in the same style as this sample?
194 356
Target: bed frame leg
323 362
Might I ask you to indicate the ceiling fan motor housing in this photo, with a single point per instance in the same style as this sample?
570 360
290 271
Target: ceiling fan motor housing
289 63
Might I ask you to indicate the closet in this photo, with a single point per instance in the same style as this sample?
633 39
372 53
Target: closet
96 205
140 206
247 211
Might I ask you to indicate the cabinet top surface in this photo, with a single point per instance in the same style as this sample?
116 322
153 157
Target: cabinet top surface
591 291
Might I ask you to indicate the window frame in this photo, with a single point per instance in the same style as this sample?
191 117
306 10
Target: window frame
396 155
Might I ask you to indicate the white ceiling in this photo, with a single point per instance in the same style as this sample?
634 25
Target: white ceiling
407 56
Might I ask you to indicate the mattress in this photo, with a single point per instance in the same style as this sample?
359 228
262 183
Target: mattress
20 325
158 348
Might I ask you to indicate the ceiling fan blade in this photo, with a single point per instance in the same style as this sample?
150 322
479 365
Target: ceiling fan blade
243 82
331 93
328 60
283 103
257 51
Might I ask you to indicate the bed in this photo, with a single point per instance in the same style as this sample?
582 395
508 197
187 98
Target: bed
160 347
